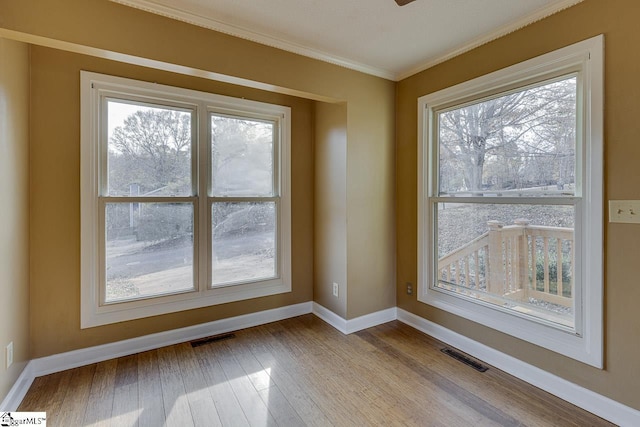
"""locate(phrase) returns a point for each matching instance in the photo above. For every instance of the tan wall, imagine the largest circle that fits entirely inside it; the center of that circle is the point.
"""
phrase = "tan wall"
(330, 219)
(106, 26)
(618, 21)
(354, 207)
(370, 207)
(14, 193)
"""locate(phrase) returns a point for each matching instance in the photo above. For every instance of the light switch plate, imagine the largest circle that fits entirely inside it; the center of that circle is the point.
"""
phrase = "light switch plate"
(624, 211)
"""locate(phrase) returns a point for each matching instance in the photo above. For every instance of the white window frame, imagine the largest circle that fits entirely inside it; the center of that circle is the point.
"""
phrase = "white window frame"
(94, 88)
(585, 342)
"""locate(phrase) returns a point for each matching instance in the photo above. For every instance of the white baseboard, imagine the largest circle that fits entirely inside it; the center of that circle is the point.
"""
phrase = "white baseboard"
(19, 390)
(330, 317)
(86, 356)
(584, 398)
(357, 324)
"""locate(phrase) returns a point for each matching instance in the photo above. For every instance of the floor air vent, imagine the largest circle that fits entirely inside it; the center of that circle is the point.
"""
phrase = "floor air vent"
(209, 340)
(464, 359)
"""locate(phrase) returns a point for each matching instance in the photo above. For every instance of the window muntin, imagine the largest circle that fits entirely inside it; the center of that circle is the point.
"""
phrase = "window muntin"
(581, 200)
(148, 241)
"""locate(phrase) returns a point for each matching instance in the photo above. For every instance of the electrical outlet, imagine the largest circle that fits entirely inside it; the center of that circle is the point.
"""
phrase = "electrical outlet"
(335, 289)
(409, 288)
(9, 354)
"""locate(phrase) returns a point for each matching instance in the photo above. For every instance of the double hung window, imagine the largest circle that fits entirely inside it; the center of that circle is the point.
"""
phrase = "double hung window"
(185, 199)
(510, 207)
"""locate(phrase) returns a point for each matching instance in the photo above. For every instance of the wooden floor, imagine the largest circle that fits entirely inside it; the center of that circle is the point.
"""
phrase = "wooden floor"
(297, 372)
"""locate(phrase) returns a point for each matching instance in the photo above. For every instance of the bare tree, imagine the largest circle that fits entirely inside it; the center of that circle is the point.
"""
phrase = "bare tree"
(534, 127)
(152, 150)
(150, 155)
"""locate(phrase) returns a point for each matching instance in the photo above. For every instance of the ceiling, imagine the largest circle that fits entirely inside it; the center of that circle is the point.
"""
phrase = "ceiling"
(377, 37)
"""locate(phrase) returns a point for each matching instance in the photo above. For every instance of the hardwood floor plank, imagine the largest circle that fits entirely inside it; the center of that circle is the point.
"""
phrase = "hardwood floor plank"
(51, 402)
(394, 392)
(72, 409)
(227, 406)
(42, 392)
(252, 405)
(257, 374)
(295, 392)
(298, 372)
(126, 406)
(150, 391)
(176, 405)
(280, 408)
(98, 412)
(333, 370)
(309, 371)
(203, 408)
(277, 404)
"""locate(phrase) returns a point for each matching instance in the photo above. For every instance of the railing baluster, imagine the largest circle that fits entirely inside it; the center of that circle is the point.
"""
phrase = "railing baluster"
(522, 262)
(467, 282)
(510, 266)
(457, 272)
(571, 272)
(476, 268)
(508, 260)
(559, 267)
(545, 245)
(485, 252)
(534, 263)
(514, 263)
(496, 259)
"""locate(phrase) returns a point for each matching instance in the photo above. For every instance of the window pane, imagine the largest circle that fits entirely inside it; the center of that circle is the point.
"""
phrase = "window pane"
(519, 257)
(242, 156)
(149, 249)
(149, 150)
(244, 241)
(521, 144)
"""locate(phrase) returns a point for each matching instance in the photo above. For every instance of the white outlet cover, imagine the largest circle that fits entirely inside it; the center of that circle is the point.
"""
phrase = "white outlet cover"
(9, 354)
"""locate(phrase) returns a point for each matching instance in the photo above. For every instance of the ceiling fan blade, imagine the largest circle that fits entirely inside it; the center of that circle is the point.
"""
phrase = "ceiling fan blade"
(403, 2)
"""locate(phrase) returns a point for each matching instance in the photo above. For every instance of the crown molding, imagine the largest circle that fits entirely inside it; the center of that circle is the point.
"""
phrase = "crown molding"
(243, 33)
(233, 30)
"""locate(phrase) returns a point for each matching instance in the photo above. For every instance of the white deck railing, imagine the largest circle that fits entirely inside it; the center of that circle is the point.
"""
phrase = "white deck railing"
(507, 261)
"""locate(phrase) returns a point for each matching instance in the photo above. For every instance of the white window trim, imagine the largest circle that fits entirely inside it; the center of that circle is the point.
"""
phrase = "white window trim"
(586, 345)
(95, 86)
